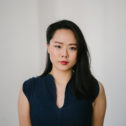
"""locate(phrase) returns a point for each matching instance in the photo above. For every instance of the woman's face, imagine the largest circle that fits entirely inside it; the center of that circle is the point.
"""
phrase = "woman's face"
(63, 47)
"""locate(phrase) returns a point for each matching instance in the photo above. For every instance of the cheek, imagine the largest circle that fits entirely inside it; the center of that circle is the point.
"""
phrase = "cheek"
(53, 55)
(74, 56)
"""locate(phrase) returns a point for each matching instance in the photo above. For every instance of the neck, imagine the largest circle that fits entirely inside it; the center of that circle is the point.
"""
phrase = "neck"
(61, 77)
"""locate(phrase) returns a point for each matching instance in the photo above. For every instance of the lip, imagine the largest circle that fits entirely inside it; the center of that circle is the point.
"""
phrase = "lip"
(63, 62)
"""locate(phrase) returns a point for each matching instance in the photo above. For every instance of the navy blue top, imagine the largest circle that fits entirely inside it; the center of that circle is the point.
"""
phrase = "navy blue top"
(41, 94)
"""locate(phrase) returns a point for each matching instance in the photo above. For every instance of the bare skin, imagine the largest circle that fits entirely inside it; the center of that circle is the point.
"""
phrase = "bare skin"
(23, 110)
(99, 106)
(60, 84)
(63, 47)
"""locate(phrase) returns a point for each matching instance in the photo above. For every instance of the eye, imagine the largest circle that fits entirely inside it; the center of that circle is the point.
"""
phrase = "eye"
(57, 46)
(73, 48)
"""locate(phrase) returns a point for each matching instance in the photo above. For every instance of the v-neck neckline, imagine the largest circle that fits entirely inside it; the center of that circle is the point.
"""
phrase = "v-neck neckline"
(65, 93)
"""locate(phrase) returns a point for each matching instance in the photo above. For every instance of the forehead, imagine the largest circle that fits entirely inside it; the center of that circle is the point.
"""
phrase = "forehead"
(64, 36)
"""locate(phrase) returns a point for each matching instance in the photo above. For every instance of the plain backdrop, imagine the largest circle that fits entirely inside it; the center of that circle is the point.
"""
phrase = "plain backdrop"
(23, 25)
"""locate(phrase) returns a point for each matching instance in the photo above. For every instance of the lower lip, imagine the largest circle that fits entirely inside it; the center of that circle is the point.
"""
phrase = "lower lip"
(64, 63)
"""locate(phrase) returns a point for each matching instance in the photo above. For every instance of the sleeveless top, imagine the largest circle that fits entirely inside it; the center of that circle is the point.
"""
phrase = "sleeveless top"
(41, 95)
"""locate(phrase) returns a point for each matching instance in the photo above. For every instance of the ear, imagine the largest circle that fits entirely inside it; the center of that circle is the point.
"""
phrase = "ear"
(47, 45)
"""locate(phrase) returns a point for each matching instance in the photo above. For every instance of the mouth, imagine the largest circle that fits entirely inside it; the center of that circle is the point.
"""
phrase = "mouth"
(64, 62)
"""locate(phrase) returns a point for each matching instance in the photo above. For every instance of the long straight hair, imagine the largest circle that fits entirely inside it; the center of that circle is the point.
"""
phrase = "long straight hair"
(84, 82)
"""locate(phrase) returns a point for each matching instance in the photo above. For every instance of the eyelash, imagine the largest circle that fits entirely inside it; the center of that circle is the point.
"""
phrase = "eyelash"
(72, 48)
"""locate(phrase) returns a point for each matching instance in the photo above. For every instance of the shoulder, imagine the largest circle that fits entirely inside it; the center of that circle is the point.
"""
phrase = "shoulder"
(101, 95)
(30, 85)
(101, 88)
(99, 106)
(32, 81)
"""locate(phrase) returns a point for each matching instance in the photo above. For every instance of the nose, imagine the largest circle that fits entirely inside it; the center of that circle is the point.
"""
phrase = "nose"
(64, 53)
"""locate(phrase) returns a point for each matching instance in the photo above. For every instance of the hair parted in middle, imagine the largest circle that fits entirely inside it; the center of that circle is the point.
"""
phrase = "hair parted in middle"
(84, 82)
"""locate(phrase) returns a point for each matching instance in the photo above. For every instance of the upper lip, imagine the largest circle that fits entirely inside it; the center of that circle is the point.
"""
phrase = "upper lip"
(64, 61)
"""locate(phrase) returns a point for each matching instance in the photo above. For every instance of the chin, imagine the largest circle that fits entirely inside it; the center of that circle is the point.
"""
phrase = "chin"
(64, 69)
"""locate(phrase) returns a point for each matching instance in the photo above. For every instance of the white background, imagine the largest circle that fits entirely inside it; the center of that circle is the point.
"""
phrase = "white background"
(23, 25)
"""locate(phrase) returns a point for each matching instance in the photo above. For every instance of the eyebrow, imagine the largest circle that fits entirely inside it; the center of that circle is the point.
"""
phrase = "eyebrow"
(62, 43)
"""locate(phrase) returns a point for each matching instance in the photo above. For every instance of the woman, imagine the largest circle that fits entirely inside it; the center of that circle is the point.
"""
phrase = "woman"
(66, 94)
